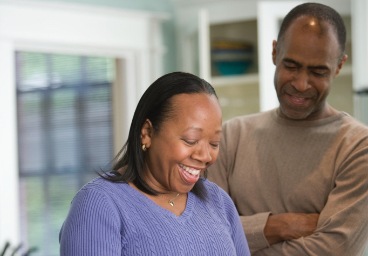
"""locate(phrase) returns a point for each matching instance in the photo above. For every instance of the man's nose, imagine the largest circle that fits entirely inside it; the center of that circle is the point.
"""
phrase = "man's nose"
(301, 81)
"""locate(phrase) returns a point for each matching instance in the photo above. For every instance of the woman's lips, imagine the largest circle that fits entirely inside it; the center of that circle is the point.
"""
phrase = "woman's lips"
(188, 174)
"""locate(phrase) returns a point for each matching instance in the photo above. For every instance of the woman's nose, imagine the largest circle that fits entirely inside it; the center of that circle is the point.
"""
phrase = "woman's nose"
(202, 153)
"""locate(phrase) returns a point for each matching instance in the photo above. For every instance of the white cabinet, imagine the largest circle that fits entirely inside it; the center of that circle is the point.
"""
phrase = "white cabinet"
(233, 66)
(224, 22)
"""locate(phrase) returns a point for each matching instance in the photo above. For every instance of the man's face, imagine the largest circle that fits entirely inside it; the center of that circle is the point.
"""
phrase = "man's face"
(307, 59)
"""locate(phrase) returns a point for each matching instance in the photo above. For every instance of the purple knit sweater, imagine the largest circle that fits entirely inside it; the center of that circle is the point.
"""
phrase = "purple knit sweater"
(111, 219)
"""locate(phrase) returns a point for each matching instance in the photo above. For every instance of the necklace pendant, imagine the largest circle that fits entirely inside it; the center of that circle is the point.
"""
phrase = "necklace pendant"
(171, 201)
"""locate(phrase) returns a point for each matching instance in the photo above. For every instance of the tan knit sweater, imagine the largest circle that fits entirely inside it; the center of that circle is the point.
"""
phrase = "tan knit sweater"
(272, 165)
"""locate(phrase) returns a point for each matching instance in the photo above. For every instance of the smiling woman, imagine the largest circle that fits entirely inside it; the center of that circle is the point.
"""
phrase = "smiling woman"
(156, 195)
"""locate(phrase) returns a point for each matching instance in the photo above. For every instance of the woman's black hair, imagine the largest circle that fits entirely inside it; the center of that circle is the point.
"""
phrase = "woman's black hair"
(156, 106)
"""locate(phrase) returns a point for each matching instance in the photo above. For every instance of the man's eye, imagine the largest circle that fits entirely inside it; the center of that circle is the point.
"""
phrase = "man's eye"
(290, 67)
(319, 73)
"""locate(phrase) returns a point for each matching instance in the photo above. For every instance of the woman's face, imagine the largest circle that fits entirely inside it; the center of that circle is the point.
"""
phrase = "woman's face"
(185, 145)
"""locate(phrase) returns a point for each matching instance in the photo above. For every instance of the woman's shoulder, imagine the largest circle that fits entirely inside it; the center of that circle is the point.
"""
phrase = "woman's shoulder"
(219, 200)
(215, 191)
(103, 195)
(102, 187)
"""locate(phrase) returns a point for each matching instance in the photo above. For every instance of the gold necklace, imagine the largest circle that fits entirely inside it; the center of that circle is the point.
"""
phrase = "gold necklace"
(171, 201)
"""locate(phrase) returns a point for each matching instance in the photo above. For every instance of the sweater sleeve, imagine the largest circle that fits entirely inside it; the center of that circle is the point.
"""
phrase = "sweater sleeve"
(254, 226)
(342, 227)
(91, 227)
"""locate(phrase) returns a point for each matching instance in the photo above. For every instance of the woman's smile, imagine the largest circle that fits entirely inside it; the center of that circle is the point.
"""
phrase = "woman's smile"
(188, 174)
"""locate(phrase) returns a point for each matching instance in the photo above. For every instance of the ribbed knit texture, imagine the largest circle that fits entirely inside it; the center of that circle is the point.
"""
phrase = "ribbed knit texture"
(270, 164)
(111, 219)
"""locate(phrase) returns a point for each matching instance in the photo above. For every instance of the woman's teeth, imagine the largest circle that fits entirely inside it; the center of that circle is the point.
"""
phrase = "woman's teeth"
(192, 171)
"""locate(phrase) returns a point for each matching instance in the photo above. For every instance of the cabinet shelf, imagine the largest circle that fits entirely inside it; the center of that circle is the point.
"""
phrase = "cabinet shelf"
(235, 79)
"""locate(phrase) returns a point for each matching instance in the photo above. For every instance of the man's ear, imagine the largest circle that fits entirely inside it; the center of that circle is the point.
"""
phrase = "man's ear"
(146, 133)
(274, 51)
(341, 63)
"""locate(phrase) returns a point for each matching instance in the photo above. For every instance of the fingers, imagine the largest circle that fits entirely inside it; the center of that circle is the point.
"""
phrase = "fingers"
(288, 226)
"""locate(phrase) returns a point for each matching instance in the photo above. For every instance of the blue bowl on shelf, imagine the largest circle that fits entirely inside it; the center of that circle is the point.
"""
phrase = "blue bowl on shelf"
(228, 68)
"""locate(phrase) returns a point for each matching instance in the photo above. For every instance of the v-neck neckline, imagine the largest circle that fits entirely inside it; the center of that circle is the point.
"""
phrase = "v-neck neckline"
(147, 202)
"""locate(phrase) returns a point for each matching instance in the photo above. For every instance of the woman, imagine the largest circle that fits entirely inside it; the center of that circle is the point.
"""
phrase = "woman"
(156, 201)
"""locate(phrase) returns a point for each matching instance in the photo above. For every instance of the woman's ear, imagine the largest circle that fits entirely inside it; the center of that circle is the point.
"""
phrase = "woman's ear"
(146, 133)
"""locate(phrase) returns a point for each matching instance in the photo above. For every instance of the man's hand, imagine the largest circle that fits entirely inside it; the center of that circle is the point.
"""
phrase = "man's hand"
(287, 226)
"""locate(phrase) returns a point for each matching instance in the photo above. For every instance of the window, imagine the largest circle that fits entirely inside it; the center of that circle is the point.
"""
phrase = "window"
(64, 136)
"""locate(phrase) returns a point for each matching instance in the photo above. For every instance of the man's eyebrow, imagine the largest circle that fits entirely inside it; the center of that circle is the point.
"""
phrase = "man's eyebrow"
(319, 67)
(291, 61)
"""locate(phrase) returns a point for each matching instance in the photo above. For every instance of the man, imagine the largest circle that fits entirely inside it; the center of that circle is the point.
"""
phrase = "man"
(298, 174)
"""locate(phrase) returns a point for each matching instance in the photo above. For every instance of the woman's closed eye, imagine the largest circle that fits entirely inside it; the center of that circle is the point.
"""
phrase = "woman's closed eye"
(215, 145)
(190, 142)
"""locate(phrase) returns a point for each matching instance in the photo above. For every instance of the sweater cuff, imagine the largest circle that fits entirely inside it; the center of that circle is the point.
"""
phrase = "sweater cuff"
(254, 229)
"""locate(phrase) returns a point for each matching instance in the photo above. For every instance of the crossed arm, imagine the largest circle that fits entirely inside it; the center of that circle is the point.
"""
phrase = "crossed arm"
(288, 226)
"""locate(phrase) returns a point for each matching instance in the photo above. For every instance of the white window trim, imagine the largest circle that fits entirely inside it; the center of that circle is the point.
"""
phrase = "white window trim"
(132, 37)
